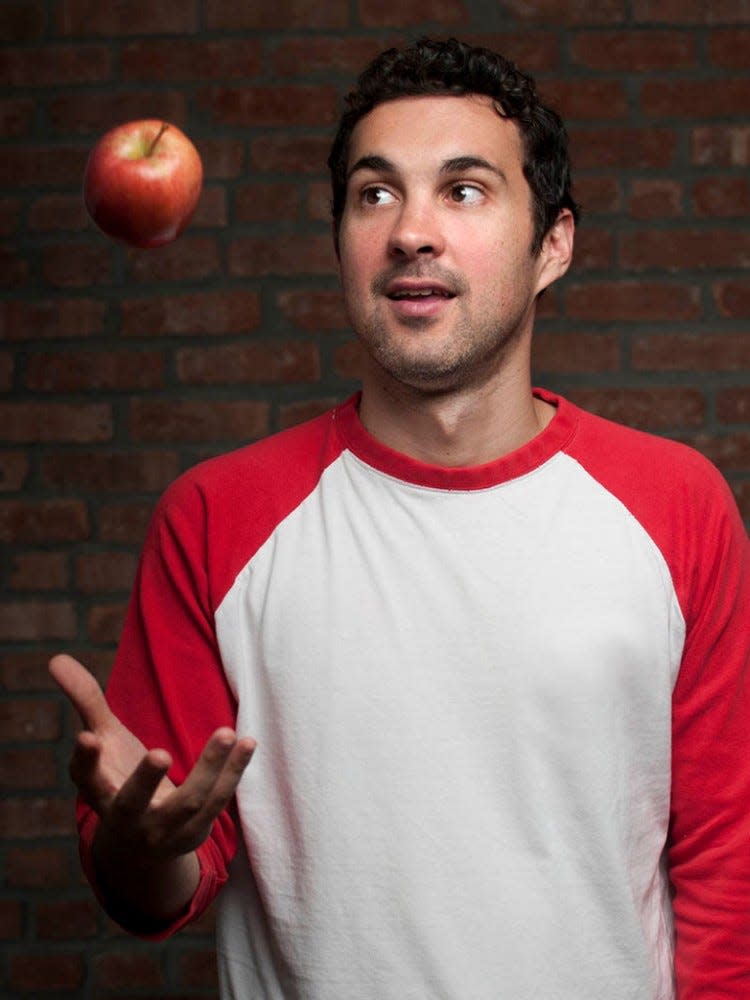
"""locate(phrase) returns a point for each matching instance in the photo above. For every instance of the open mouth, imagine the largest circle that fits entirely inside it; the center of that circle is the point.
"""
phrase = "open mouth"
(411, 294)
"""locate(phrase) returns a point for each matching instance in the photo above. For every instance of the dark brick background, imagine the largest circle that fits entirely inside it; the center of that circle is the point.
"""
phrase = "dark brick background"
(120, 368)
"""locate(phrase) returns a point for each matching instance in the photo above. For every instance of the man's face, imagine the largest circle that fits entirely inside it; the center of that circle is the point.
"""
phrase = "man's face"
(435, 241)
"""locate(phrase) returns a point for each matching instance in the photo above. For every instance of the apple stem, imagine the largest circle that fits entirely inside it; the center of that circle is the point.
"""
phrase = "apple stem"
(159, 134)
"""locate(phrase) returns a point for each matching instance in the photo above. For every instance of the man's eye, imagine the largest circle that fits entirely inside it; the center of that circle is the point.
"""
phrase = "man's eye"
(465, 194)
(376, 196)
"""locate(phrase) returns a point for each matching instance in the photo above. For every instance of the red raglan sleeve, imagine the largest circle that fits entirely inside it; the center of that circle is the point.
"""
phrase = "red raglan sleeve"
(167, 684)
(709, 851)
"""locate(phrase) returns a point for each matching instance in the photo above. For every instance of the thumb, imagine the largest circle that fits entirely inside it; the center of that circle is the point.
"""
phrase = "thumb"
(82, 690)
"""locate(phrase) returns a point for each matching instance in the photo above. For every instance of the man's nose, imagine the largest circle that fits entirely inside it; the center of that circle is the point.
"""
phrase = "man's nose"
(416, 231)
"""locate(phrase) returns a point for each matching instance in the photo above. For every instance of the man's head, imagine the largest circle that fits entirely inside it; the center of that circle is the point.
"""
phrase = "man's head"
(455, 68)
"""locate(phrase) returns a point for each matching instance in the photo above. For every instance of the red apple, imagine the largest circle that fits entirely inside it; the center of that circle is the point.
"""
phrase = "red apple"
(142, 182)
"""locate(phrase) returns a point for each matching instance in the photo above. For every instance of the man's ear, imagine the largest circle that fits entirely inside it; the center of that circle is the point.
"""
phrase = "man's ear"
(557, 250)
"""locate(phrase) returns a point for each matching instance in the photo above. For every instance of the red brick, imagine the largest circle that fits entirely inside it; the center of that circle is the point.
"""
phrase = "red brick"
(733, 298)
(10, 213)
(22, 621)
(64, 920)
(75, 371)
(197, 967)
(223, 157)
(235, 15)
(58, 213)
(724, 351)
(51, 318)
(575, 352)
(568, 12)
(74, 422)
(296, 413)
(730, 452)
(28, 769)
(313, 310)
(266, 202)
(14, 468)
(188, 259)
(702, 12)
(289, 254)
(586, 99)
(594, 249)
(95, 112)
(656, 198)
(685, 249)
(11, 919)
(105, 472)
(190, 60)
(651, 408)
(741, 490)
(55, 65)
(30, 719)
(392, 13)
(45, 521)
(99, 572)
(318, 201)
(124, 969)
(75, 265)
(174, 420)
(231, 311)
(598, 195)
(39, 571)
(16, 117)
(6, 372)
(258, 362)
(733, 405)
(25, 670)
(14, 269)
(104, 622)
(639, 148)
(348, 360)
(22, 21)
(326, 54)
(31, 818)
(722, 196)
(633, 301)
(248, 107)
(633, 51)
(721, 146)
(37, 166)
(533, 51)
(283, 154)
(44, 973)
(693, 99)
(124, 522)
(85, 18)
(37, 867)
(730, 48)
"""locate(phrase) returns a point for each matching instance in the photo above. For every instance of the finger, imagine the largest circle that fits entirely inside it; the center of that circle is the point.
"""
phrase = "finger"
(86, 773)
(215, 776)
(82, 690)
(137, 792)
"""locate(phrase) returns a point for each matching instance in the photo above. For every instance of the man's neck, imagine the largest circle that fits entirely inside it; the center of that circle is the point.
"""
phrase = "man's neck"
(460, 428)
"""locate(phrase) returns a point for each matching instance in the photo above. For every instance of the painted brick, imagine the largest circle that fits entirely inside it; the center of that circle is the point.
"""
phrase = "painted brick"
(30, 521)
(189, 59)
(108, 472)
(393, 14)
(168, 420)
(31, 621)
(235, 15)
(721, 146)
(51, 318)
(733, 405)
(224, 312)
(98, 572)
(66, 919)
(265, 106)
(623, 148)
(629, 301)
(48, 422)
(575, 352)
(313, 310)
(728, 351)
(189, 258)
(721, 196)
(733, 298)
(55, 65)
(94, 113)
(14, 469)
(633, 51)
(30, 818)
(266, 202)
(259, 362)
(74, 371)
(37, 867)
(717, 98)
(86, 18)
(656, 198)
(255, 257)
(730, 48)
(655, 409)
(26, 769)
(39, 571)
(685, 249)
(45, 973)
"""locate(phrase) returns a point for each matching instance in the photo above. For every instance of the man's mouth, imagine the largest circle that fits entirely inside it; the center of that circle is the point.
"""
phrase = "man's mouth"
(419, 293)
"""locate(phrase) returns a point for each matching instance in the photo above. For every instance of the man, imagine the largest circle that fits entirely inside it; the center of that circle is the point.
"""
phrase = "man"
(493, 650)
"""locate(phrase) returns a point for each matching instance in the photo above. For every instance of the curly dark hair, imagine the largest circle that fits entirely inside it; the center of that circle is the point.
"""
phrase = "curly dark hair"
(452, 67)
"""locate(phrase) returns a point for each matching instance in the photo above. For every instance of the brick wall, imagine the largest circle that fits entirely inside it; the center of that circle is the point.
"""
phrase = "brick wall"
(119, 368)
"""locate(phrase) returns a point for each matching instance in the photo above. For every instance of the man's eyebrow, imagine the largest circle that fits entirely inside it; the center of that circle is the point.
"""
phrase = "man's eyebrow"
(458, 164)
(374, 162)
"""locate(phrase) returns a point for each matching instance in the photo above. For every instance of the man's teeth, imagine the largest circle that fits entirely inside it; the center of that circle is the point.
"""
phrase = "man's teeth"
(420, 293)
